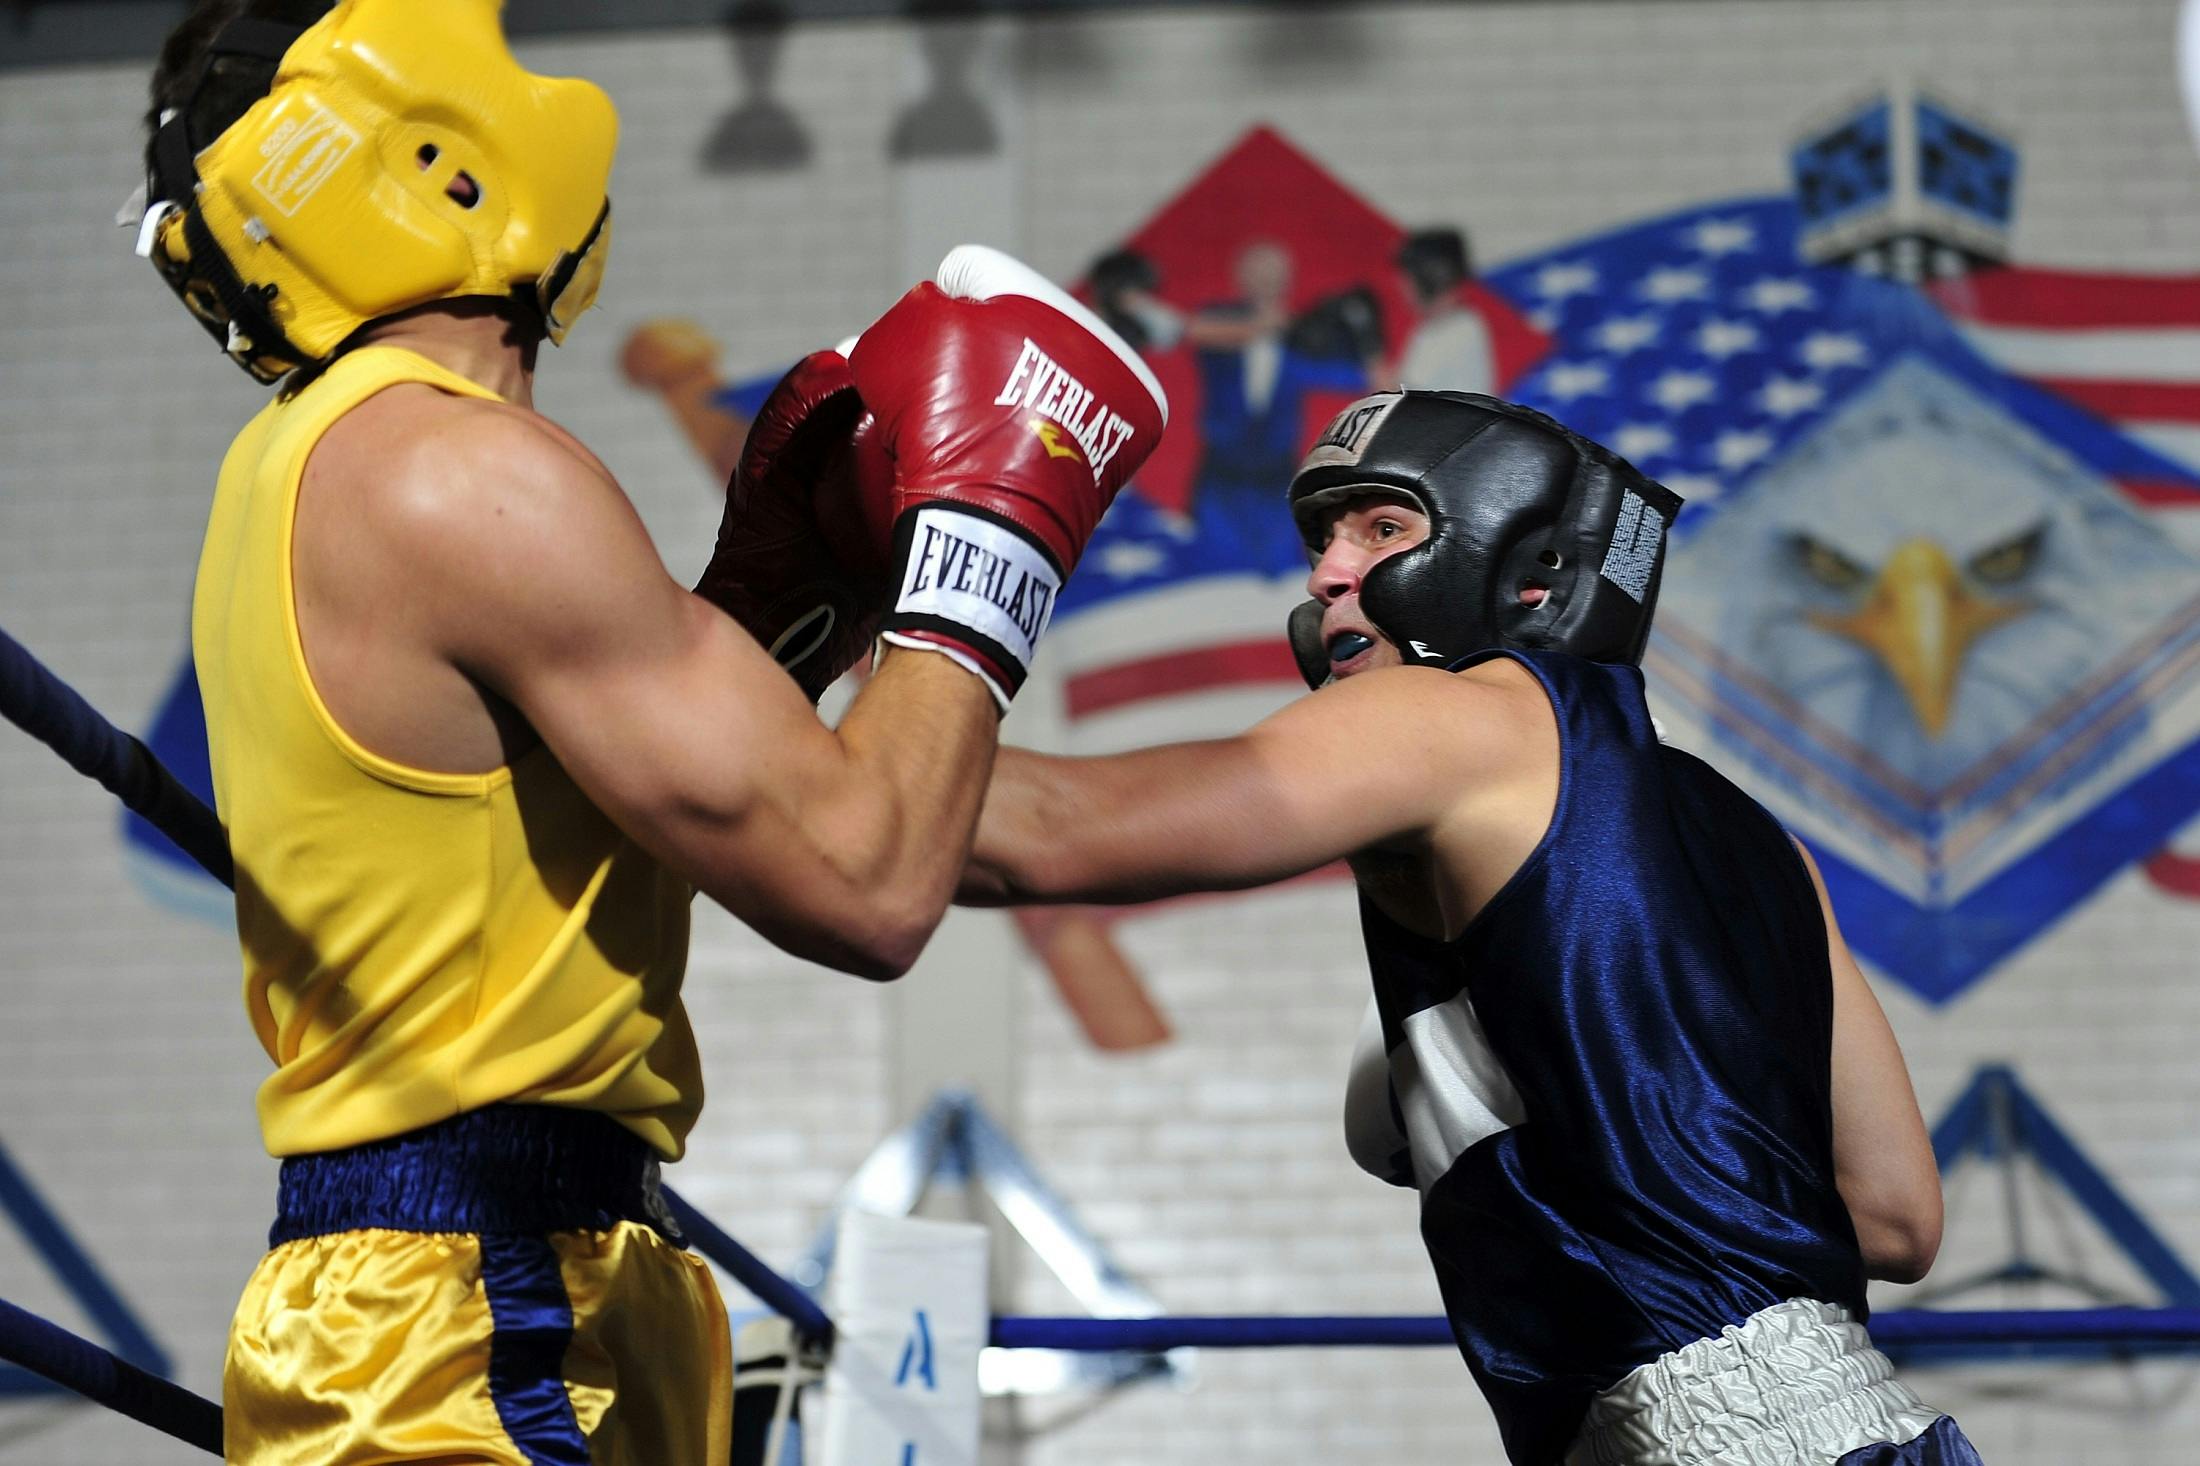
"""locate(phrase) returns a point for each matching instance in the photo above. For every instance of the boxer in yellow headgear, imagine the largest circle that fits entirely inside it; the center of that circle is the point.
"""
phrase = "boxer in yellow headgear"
(466, 975)
(475, 749)
(401, 155)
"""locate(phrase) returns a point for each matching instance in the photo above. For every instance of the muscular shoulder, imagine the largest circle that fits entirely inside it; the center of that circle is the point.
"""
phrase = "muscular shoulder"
(453, 502)
(1492, 713)
(448, 509)
(1474, 755)
(1450, 738)
(417, 465)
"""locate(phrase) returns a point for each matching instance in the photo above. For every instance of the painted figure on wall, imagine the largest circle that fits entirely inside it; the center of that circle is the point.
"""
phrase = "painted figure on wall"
(1449, 347)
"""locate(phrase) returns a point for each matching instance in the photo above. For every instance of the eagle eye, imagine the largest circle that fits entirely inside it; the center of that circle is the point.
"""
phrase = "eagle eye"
(2012, 559)
(1826, 565)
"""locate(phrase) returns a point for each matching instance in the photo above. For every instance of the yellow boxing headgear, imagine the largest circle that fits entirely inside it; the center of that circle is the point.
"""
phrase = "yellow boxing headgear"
(402, 155)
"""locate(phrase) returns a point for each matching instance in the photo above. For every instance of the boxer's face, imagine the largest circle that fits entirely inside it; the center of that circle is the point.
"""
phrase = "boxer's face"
(1361, 532)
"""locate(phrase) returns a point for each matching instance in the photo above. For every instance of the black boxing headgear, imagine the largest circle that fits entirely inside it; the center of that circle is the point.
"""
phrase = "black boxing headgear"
(1513, 500)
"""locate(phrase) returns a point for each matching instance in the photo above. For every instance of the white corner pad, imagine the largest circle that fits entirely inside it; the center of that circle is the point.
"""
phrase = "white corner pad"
(980, 272)
(902, 1385)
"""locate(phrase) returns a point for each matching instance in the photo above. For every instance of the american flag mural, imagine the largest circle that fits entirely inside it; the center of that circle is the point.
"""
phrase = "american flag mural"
(2003, 458)
(2126, 348)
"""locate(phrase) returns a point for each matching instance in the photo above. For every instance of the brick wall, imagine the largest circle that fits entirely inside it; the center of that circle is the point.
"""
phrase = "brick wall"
(1212, 1166)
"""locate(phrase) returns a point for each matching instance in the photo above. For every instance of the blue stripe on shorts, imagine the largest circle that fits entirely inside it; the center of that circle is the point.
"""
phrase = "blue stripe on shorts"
(533, 1320)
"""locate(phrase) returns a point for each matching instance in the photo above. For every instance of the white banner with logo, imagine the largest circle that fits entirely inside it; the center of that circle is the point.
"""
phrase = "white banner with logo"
(909, 1298)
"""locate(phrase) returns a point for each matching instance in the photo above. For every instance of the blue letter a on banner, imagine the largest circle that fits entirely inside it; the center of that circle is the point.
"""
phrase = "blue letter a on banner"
(917, 1354)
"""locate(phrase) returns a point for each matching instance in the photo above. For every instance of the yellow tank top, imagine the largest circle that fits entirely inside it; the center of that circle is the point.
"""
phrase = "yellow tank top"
(416, 944)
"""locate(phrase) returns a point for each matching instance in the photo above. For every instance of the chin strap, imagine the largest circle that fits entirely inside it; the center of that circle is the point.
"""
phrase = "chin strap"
(1306, 643)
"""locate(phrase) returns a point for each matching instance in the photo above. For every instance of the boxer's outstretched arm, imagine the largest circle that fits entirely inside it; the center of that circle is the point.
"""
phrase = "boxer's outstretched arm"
(1882, 1156)
(840, 846)
(1381, 759)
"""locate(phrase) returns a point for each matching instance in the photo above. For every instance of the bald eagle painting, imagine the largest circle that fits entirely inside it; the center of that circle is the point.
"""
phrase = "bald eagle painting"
(1926, 592)
(1914, 604)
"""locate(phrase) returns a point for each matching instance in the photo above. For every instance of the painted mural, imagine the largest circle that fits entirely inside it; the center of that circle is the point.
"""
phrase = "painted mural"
(1935, 598)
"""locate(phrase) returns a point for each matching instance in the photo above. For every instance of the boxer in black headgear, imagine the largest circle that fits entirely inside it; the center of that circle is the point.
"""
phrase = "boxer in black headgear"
(1660, 1126)
(1537, 538)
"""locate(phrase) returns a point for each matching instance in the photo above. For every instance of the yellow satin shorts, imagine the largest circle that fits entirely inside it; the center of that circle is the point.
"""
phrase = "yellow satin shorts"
(601, 1347)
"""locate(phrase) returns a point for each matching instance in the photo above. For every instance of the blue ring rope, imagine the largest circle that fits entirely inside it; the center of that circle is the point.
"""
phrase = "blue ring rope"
(48, 1350)
(782, 1297)
(2178, 1326)
(54, 1352)
(54, 713)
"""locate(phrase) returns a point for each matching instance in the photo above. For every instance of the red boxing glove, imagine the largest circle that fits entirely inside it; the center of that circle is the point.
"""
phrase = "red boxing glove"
(799, 581)
(1013, 415)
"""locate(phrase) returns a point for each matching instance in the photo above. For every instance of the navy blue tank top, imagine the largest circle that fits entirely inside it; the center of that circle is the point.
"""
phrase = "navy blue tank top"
(1654, 1161)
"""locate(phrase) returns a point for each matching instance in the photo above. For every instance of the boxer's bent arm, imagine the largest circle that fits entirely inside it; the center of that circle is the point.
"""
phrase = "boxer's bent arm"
(840, 847)
(1376, 760)
(1882, 1156)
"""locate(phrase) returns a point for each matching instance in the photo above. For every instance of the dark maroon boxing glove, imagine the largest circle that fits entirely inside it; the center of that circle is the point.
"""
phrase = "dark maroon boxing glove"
(809, 588)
